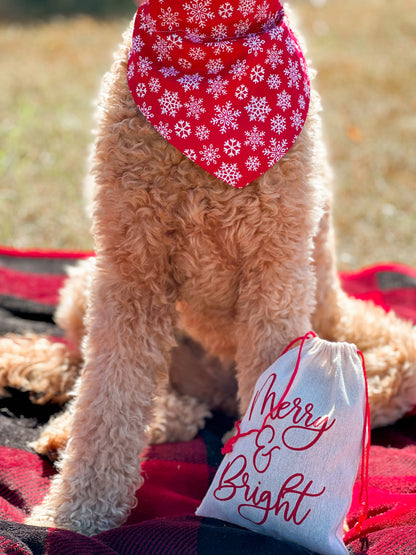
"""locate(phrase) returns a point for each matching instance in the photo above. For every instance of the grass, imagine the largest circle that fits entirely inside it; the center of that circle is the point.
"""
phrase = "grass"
(50, 78)
(365, 53)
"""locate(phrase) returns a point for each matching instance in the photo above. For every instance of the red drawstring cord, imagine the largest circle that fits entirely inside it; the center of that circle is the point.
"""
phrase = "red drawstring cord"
(365, 456)
(228, 447)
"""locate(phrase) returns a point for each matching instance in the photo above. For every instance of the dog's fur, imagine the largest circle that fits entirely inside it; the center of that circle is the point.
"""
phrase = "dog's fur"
(242, 271)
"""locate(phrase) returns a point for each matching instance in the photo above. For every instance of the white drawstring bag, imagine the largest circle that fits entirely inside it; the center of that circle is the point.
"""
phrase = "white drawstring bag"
(289, 470)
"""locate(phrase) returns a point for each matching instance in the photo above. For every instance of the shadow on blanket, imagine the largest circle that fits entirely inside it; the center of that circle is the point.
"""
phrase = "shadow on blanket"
(178, 474)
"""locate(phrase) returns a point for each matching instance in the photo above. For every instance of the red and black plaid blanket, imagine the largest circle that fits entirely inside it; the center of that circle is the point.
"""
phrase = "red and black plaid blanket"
(178, 474)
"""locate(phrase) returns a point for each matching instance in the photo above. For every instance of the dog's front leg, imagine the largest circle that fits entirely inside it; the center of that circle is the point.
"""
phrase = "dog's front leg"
(130, 335)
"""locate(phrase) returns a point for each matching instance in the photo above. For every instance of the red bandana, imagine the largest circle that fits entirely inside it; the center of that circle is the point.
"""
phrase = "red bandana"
(224, 81)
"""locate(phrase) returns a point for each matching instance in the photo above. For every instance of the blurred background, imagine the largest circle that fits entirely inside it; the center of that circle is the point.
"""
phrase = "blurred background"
(53, 54)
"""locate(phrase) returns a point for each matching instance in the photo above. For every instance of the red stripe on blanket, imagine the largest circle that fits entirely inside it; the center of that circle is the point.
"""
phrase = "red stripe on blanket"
(369, 284)
(24, 480)
(33, 287)
(366, 274)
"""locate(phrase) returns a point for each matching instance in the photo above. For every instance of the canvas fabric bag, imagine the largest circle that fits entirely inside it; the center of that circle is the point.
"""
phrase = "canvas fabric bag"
(289, 470)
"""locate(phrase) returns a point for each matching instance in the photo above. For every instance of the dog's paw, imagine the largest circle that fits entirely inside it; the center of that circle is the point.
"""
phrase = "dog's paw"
(54, 437)
(44, 521)
(45, 369)
(177, 418)
(50, 446)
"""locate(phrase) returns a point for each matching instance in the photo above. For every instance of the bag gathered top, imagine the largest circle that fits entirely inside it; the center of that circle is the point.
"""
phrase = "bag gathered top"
(224, 81)
(289, 470)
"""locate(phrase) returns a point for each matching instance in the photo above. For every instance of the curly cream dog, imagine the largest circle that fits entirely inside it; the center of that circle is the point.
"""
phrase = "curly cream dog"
(243, 271)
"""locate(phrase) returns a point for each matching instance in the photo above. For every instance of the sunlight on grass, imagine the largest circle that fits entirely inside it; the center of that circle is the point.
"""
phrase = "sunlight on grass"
(365, 53)
(366, 59)
(53, 72)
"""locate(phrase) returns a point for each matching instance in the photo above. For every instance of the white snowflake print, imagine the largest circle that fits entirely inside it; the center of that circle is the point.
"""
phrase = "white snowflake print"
(252, 163)
(306, 89)
(229, 173)
(190, 81)
(270, 23)
(176, 40)
(195, 107)
(293, 74)
(219, 32)
(146, 110)
(302, 103)
(214, 66)
(202, 132)
(258, 108)
(199, 12)
(137, 44)
(144, 65)
(246, 6)
(164, 130)
(276, 150)
(194, 35)
(163, 48)
(169, 71)
(209, 154)
(170, 103)
(169, 18)
(217, 86)
(278, 124)
(226, 117)
(141, 89)
(186, 64)
(257, 74)
(242, 27)
(254, 138)
(274, 81)
(190, 153)
(222, 46)
(225, 10)
(239, 69)
(183, 129)
(197, 53)
(290, 45)
(297, 120)
(232, 147)
(284, 100)
(274, 56)
(262, 11)
(130, 71)
(276, 32)
(154, 84)
(241, 92)
(254, 44)
(147, 23)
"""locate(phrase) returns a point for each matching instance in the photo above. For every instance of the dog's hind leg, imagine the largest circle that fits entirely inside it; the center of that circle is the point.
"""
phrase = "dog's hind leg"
(47, 370)
(388, 343)
(176, 417)
(55, 436)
